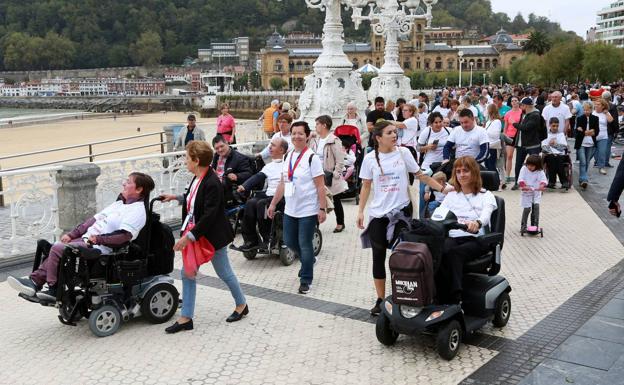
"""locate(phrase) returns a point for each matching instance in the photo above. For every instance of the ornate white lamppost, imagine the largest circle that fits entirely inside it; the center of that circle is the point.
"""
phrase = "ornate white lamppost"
(461, 62)
(471, 64)
(333, 83)
(390, 19)
(484, 79)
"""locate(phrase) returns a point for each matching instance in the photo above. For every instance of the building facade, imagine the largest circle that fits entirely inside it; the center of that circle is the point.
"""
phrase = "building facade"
(610, 24)
(422, 50)
(235, 51)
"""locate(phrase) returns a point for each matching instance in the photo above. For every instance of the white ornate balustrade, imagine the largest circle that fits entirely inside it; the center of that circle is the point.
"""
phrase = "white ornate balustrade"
(31, 196)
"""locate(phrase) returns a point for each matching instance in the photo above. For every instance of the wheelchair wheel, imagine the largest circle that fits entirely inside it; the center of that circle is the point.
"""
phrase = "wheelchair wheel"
(287, 256)
(448, 340)
(65, 312)
(502, 310)
(317, 241)
(105, 321)
(160, 303)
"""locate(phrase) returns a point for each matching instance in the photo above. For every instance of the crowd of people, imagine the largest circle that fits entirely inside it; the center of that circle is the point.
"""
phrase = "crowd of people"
(445, 143)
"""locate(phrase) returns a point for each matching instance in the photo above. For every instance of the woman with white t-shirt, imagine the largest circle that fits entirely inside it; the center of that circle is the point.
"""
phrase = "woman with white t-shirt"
(386, 169)
(408, 129)
(601, 110)
(473, 206)
(444, 107)
(303, 187)
(493, 128)
(431, 143)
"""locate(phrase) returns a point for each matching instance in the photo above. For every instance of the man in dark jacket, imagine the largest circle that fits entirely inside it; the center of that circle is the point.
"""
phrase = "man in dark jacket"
(531, 132)
(615, 191)
(232, 167)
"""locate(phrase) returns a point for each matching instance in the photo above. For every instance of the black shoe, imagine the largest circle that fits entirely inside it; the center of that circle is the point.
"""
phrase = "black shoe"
(551, 186)
(304, 288)
(584, 185)
(24, 285)
(339, 230)
(48, 295)
(376, 310)
(238, 316)
(515, 187)
(176, 327)
(249, 246)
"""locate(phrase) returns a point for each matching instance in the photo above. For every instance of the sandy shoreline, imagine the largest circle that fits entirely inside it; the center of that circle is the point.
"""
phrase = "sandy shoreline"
(36, 137)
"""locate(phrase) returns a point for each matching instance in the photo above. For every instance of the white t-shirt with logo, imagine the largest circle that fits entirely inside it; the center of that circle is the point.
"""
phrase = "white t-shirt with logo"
(273, 172)
(468, 143)
(390, 187)
(430, 136)
(304, 202)
(562, 113)
(320, 148)
(469, 208)
(118, 216)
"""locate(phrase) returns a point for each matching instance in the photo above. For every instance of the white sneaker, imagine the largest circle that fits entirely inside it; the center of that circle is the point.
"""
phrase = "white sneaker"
(24, 285)
(603, 171)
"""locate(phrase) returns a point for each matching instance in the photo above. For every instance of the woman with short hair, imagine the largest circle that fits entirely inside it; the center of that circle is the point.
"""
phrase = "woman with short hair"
(203, 215)
(226, 126)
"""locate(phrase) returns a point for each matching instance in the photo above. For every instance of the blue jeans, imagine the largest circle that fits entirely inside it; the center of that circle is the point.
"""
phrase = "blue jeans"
(584, 154)
(602, 152)
(490, 162)
(432, 206)
(421, 201)
(221, 264)
(298, 233)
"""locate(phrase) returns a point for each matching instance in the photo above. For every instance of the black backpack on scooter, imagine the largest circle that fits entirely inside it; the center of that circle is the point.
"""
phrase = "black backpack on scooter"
(412, 276)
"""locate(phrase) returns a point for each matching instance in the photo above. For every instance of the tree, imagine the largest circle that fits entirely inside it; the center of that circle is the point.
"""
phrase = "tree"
(518, 25)
(254, 80)
(148, 50)
(366, 80)
(602, 62)
(57, 51)
(14, 47)
(538, 43)
(277, 83)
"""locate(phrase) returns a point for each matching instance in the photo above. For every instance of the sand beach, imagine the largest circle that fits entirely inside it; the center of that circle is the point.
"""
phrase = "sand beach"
(56, 134)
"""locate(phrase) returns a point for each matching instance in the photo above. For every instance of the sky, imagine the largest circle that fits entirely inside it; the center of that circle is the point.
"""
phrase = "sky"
(572, 15)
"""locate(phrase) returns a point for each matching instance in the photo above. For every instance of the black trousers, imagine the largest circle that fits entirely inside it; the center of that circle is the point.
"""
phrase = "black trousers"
(555, 166)
(338, 209)
(377, 230)
(255, 209)
(457, 251)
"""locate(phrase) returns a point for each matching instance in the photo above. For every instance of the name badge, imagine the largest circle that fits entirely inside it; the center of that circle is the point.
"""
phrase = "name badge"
(289, 189)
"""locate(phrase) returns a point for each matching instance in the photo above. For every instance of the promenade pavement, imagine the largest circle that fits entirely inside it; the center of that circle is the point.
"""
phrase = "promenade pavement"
(327, 337)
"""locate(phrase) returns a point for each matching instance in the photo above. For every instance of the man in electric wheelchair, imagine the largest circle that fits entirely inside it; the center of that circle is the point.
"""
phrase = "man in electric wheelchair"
(232, 168)
(255, 207)
(116, 225)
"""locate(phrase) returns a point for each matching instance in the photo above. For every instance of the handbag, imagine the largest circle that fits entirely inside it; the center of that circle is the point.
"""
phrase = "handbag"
(508, 140)
(329, 201)
(196, 253)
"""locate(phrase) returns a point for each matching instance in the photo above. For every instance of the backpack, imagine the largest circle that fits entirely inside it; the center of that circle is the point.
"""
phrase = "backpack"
(411, 272)
(155, 242)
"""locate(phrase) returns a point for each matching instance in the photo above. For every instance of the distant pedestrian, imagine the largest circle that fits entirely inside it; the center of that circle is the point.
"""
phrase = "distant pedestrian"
(226, 126)
(189, 133)
(269, 119)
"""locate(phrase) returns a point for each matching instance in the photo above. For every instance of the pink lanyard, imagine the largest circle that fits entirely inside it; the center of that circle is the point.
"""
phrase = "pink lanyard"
(191, 196)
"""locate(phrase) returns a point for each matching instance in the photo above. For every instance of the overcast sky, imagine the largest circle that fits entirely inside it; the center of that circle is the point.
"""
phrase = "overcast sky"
(572, 15)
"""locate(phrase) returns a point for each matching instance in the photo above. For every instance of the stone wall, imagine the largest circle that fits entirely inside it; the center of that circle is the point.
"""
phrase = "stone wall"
(249, 106)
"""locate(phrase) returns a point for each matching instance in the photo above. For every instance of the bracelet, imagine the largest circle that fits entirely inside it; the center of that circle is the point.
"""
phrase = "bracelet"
(322, 209)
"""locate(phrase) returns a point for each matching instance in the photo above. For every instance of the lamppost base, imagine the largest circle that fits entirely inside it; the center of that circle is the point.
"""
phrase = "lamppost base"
(390, 87)
(327, 92)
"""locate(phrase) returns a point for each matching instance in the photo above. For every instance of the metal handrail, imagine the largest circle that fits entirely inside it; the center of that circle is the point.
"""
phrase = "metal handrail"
(78, 145)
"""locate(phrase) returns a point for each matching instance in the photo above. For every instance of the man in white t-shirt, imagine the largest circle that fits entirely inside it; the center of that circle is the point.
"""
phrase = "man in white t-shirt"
(470, 140)
(116, 225)
(255, 207)
(558, 110)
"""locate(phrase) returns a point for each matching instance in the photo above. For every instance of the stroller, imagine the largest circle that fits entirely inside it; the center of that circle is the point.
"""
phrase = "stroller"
(130, 282)
(351, 141)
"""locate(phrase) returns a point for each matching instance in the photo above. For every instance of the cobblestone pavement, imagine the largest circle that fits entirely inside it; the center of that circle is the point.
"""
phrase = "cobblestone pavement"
(325, 337)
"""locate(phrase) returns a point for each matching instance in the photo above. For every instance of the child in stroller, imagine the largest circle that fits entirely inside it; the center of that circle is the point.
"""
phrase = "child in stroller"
(350, 138)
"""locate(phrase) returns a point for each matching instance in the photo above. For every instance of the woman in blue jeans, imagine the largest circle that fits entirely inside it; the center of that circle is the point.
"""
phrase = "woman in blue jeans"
(587, 129)
(203, 213)
(303, 187)
(603, 151)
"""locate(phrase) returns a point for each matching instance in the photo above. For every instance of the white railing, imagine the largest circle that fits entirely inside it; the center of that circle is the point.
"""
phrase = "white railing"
(32, 200)
(32, 212)
(261, 93)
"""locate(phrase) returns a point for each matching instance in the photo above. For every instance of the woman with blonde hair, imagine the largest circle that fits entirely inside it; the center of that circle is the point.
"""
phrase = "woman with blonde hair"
(226, 126)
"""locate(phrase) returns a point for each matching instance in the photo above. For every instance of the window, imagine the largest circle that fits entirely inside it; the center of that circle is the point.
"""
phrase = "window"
(299, 66)
(487, 64)
(427, 64)
(407, 65)
(306, 65)
(479, 64)
(449, 64)
(278, 67)
(438, 63)
(494, 63)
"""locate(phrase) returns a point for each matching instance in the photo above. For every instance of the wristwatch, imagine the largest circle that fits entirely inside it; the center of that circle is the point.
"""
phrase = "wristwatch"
(322, 209)
(479, 222)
